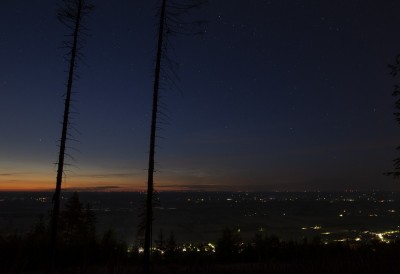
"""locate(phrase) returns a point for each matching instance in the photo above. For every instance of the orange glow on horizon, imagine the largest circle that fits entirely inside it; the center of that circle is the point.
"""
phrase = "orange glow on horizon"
(41, 185)
(101, 182)
(95, 186)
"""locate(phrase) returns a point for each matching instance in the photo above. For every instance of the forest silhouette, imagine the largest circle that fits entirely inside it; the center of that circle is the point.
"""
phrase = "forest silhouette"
(82, 250)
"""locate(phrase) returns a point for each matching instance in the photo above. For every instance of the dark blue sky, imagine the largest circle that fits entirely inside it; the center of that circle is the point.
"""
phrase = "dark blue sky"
(288, 95)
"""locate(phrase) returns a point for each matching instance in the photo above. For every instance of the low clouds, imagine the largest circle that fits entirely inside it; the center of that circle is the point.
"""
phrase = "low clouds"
(192, 187)
(94, 188)
(108, 175)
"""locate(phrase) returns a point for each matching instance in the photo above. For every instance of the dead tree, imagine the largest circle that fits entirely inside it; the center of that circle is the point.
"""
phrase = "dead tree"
(72, 15)
(150, 174)
(170, 23)
(394, 71)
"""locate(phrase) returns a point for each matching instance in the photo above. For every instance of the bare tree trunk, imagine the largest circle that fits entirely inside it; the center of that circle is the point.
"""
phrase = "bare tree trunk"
(60, 169)
(394, 71)
(150, 184)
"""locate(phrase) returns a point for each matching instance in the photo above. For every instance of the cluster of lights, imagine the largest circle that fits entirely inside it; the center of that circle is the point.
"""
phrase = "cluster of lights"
(208, 248)
(316, 227)
(383, 236)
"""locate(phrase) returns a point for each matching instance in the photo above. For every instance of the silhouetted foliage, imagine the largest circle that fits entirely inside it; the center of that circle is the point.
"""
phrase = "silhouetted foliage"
(77, 237)
(160, 241)
(112, 251)
(77, 241)
(171, 243)
(228, 246)
(78, 223)
(263, 254)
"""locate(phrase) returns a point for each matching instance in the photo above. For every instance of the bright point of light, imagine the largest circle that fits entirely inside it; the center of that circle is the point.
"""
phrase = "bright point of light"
(380, 236)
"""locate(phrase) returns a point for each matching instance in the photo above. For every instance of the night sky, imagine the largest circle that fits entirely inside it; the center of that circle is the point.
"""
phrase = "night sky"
(275, 95)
